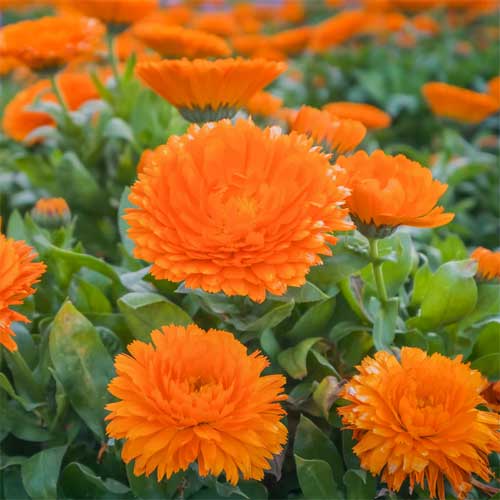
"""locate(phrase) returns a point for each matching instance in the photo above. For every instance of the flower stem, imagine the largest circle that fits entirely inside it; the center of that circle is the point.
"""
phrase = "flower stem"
(112, 58)
(58, 94)
(377, 271)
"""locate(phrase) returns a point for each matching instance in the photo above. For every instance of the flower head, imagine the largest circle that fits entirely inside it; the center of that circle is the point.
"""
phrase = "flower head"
(196, 395)
(290, 41)
(370, 116)
(389, 191)
(237, 209)
(209, 90)
(488, 263)
(218, 23)
(51, 213)
(18, 274)
(494, 88)
(463, 105)
(334, 134)
(264, 104)
(50, 42)
(417, 419)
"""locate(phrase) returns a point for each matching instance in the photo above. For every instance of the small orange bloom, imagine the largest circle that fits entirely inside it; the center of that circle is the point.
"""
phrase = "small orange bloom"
(218, 23)
(494, 88)
(264, 104)
(50, 41)
(370, 116)
(463, 105)
(488, 267)
(391, 191)
(425, 24)
(292, 11)
(174, 41)
(417, 419)
(383, 23)
(235, 208)
(208, 90)
(290, 41)
(51, 213)
(18, 274)
(196, 396)
(334, 134)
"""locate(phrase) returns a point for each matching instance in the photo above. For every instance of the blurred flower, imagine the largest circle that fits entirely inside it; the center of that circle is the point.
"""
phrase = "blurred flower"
(180, 42)
(196, 396)
(494, 88)
(463, 105)
(488, 263)
(492, 395)
(234, 208)
(289, 41)
(384, 23)
(333, 134)
(175, 15)
(417, 419)
(218, 23)
(263, 104)
(18, 274)
(292, 11)
(425, 24)
(51, 213)
(247, 45)
(126, 45)
(18, 121)
(391, 191)
(463, 48)
(50, 42)
(245, 15)
(269, 54)
(208, 90)
(370, 116)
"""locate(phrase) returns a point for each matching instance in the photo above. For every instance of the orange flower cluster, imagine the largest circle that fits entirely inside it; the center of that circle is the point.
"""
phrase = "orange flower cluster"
(196, 396)
(334, 134)
(463, 105)
(18, 274)
(390, 191)
(370, 116)
(235, 208)
(58, 41)
(488, 263)
(417, 419)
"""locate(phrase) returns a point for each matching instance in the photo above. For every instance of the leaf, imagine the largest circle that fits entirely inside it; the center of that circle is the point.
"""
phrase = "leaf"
(7, 387)
(122, 223)
(306, 293)
(16, 228)
(294, 359)
(316, 479)
(270, 319)
(40, 473)
(488, 305)
(326, 394)
(488, 340)
(148, 488)
(313, 323)
(88, 297)
(145, 312)
(488, 365)
(451, 248)
(22, 424)
(396, 273)
(119, 129)
(384, 327)
(421, 284)
(82, 365)
(359, 484)
(312, 443)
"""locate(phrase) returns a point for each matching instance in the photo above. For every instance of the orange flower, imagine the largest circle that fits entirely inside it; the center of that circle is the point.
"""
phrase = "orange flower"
(488, 263)
(370, 116)
(334, 134)
(51, 213)
(463, 105)
(264, 104)
(218, 23)
(247, 45)
(292, 11)
(494, 88)
(50, 41)
(18, 274)
(208, 90)
(426, 24)
(269, 54)
(196, 396)
(492, 396)
(237, 209)
(384, 23)
(126, 45)
(290, 41)
(18, 121)
(114, 11)
(174, 41)
(417, 419)
(391, 191)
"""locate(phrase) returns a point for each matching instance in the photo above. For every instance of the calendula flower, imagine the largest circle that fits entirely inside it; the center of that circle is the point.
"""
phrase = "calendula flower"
(218, 23)
(463, 105)
(126, 45)
(50, 42)
(263, 104)
(247, 45)
(19, 121)
(417, 419)
(290, 41)
(494, 88)
(491, 395)
(18, 274)
(370, 116)
(175, 41)
(269, 54)
(333, 134)
(425, 24)
(488, 263)
(51, 213)
(391, 191)
(196, 396)
(208, 90)
(235, 208)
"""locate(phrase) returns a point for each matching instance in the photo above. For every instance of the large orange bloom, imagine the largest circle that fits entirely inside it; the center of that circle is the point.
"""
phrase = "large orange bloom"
(392, 191)
(114, 11)
(18, 121)
(463, 105)
(370, 116)
(175, 41)
(488, 263)
(196, 395)
(209, 90)
(50, 41)
(18, 274)
(235, 208)
(334, 134)
(418, 419)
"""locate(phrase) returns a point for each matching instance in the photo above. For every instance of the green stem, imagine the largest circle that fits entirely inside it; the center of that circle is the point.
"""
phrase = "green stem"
(377, 271)
(58, 94)
(112, 58)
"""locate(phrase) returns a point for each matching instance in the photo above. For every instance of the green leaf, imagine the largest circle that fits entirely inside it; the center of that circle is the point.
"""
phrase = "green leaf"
(22, 424)
(451, 248)
(488, 365)
(271, 318)
(119, 129)
(326, 394)
(145, 312)
(10, 461)
(316, 479)
(82, 365)
(421, 284)
(294, 359)
(488, 340)
(16, 228)
(12, 484)
(7, 387)
(122, 223)
(148, 488)
(40, 473)
(487, 306)
(313, 323)
(305, 293)
(384, 327)
(88, 297)
(359, 484)
(396, 273)
(253, 490)
(312, 443)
